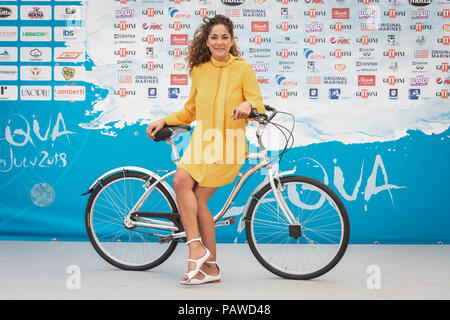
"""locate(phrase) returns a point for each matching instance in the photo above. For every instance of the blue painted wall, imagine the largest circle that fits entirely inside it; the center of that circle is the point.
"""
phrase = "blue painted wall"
(403, 183)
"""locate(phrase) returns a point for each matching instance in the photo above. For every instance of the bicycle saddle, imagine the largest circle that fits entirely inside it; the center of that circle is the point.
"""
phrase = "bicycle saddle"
(167, 131)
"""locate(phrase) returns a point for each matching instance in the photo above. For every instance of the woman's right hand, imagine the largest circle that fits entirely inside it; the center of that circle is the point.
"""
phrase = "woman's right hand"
(154, 127)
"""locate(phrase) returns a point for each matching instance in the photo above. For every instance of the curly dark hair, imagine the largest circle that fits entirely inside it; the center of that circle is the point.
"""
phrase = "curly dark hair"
(197, 51)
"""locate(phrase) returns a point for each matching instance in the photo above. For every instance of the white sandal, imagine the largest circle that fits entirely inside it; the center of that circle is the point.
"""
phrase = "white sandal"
(207, 278)
(198, 262)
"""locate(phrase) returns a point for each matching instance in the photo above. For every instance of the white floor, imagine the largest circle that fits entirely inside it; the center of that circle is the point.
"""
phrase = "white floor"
(45, 270)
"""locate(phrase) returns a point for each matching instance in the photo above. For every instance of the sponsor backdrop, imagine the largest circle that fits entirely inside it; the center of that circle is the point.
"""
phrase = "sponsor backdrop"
(366, 80)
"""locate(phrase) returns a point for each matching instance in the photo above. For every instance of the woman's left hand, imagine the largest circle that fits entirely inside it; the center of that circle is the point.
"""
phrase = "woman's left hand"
(242, 111)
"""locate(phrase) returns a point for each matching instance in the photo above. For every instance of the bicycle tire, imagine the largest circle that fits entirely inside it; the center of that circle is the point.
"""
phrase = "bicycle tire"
(256, 249)
(91, 233)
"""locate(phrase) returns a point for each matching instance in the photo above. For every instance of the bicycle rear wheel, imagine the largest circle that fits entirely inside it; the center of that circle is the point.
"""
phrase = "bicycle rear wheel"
(109, 203)
(310, 247)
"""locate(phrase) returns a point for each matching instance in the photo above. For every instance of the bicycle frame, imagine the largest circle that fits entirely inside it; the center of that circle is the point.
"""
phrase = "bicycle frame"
(264, 163)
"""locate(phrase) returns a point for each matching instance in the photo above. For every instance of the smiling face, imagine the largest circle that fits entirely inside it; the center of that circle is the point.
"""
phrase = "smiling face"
(219, 42)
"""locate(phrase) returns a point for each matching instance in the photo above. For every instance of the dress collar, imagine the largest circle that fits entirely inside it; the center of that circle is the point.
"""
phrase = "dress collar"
(218, 63)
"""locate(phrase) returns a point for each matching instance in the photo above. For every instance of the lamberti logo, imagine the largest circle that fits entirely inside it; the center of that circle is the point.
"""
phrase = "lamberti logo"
(232, 2)
(69, 93)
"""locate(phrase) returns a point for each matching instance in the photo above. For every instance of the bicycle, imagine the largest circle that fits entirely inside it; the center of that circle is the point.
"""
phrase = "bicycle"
(296, 226)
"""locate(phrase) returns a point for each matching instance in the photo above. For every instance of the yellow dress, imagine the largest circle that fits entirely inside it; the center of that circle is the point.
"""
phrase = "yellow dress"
(218, 146)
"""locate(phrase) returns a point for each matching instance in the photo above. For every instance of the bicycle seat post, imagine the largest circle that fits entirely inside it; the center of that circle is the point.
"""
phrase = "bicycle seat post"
(176, 156)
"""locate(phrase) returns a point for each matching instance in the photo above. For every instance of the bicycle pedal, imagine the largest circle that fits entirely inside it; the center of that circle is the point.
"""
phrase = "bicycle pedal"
(232, 220)
(226, 222)
(165, 239)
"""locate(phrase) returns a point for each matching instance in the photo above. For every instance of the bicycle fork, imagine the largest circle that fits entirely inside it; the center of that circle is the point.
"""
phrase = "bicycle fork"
(277, 189)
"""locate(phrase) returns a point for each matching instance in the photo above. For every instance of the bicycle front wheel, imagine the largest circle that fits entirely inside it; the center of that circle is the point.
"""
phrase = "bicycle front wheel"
(109, 203)
(307, 248)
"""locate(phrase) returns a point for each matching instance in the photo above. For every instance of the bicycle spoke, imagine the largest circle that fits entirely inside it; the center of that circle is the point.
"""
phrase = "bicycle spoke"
(128, 247)
(319, 233)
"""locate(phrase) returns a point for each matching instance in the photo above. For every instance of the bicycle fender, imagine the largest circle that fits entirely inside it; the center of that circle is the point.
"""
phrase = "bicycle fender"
(260, 186)
(130, 168)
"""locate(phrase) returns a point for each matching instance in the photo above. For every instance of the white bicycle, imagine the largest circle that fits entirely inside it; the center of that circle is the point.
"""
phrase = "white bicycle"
(296, 226)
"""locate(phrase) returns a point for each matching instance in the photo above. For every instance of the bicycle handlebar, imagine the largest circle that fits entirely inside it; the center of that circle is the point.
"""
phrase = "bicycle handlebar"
(167, 131)
(262, 117)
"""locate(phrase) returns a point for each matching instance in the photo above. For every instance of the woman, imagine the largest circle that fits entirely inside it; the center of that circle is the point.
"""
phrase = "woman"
(223, 91)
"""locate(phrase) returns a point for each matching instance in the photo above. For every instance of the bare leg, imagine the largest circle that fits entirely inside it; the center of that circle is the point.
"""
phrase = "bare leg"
(183, 185)
(207, 228)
